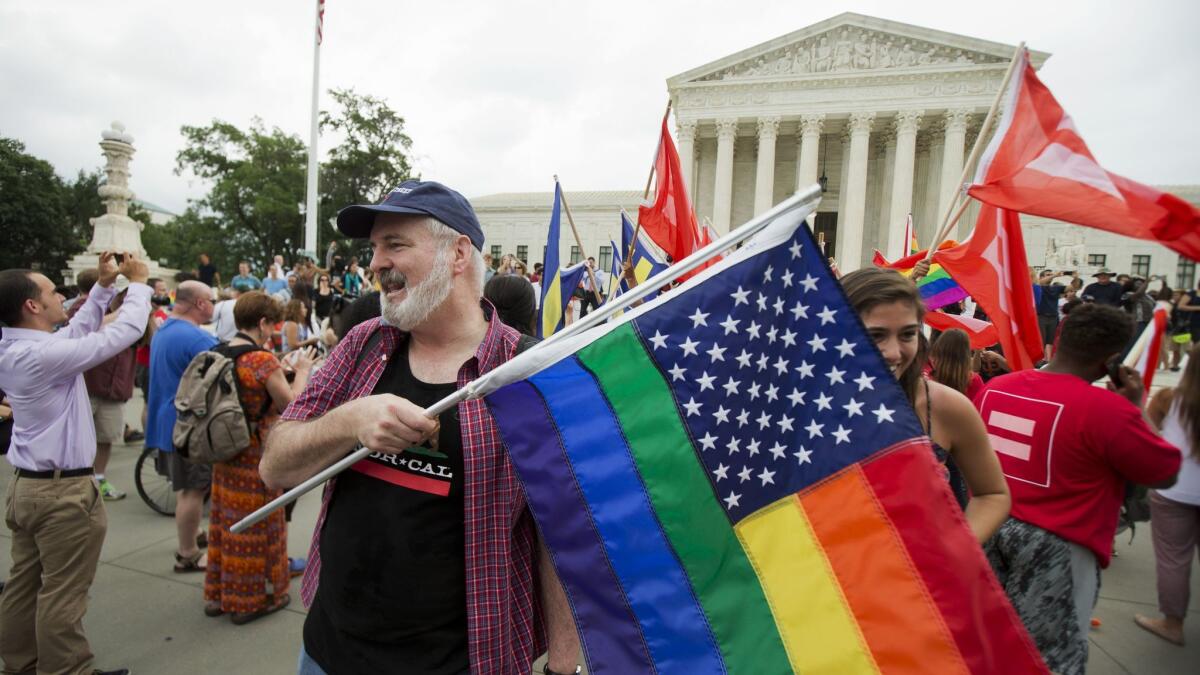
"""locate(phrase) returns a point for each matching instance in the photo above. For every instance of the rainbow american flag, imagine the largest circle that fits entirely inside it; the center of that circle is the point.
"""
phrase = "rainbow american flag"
(729, 480)
(937, 288)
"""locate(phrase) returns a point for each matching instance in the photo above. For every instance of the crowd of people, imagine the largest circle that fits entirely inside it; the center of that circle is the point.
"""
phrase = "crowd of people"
(424, 553)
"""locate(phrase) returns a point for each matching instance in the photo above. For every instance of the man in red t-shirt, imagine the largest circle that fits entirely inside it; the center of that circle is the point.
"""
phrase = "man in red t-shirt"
(1067, 449)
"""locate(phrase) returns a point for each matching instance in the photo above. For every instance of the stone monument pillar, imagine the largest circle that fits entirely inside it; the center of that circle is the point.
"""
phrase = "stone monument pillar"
(115, 230)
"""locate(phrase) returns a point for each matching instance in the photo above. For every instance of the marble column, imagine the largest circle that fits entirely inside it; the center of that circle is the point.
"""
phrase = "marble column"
(685, 131)
(723, 182)
(886, 171)
(809, 140)
(907, 123)
(850, 238)
(952, 161)
(936, 139)
(764, 175)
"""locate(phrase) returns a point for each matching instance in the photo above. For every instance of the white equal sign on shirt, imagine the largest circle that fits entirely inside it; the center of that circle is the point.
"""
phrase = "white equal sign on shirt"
(1021, 430)
(1020, 426)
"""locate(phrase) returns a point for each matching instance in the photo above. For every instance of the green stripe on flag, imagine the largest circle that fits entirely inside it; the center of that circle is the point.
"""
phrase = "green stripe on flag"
(696, 525)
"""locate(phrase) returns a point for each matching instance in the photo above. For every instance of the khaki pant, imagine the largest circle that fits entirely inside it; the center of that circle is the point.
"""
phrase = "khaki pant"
(57, 528)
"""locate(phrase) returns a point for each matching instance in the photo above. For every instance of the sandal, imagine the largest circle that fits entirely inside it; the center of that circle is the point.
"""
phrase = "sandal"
(189, 564)
(213, 609)
(242, 618)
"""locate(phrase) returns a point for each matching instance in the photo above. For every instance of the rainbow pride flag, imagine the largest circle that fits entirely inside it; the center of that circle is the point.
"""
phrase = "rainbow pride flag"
(729, 480)
(937, 288)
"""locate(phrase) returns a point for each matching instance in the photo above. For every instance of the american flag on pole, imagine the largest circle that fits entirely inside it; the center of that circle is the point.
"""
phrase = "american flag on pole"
(320, 20)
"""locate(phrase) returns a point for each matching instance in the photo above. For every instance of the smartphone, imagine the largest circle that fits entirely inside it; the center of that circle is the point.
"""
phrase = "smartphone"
(1114, 372)
(119, 258)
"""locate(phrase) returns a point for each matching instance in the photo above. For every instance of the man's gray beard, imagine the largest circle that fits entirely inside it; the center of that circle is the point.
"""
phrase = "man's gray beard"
(422, 299)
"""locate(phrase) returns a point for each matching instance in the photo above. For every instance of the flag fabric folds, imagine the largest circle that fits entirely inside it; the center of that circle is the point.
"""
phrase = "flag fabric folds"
(937, 288)
(647, 259)
(991, 266)
(982, 334)
(1037, 163)
(729, 480)
(1150, 344)
(554, 296)
(669, 219)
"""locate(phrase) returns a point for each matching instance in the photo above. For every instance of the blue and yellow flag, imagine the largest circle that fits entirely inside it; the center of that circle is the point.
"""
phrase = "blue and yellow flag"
(614, 275)
(647, 258)
(554, 295)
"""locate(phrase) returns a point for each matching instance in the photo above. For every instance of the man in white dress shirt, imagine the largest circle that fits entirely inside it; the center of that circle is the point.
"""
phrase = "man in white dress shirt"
(54, 508)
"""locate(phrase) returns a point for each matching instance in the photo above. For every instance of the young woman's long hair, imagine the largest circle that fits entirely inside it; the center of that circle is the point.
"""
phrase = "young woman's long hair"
(951, 359)
(1187, 397)
(871, 287)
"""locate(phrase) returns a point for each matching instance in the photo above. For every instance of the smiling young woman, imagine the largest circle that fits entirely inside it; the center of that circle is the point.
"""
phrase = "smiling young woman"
(890, 307)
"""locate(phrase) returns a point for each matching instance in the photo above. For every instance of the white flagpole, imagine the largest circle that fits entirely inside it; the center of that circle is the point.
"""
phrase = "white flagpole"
(310, 201)
(484, 384)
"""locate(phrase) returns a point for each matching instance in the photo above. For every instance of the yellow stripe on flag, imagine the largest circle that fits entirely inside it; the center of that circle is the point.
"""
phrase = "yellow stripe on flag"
(818, 630)
(552, 308)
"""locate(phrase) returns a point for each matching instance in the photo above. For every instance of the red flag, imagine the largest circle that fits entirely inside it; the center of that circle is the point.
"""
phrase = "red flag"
(1037, 163)
(981, 333)
(669, 219)
(991, 266)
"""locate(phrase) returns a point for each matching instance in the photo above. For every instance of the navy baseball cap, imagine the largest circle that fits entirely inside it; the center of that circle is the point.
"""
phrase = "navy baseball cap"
(419, 198)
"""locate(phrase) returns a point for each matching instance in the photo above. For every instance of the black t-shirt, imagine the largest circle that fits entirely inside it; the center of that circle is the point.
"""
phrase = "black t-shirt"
(1103, 294)
(206, 273)
(392, 592)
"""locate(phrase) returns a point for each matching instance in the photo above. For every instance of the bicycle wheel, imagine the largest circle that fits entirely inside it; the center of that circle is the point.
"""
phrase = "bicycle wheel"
(153, 487)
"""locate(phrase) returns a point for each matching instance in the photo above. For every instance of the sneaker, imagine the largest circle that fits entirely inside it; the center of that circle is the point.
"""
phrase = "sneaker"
(110, 493)
(134, 436)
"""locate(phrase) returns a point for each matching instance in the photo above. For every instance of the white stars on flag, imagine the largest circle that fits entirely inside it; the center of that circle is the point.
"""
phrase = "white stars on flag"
(708, 441)
(882, 413)
(730, 325)
(845, 348)
(689, 347)
(817, 343)
(864, 381)
(699, 318)
(826, 315)
(842, 435)
(809, 282)
(692, 407)
(659, 340)
(705, 381)
(835, 376)
(739, 296)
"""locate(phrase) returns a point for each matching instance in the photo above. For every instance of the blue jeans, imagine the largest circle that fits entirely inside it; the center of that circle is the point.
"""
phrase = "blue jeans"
(307, 666)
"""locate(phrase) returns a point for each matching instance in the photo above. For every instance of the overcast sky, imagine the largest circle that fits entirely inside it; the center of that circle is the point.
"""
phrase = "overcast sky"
(499, 96)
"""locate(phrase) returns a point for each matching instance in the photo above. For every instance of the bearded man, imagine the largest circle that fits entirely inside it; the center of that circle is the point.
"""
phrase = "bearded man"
(425, 557)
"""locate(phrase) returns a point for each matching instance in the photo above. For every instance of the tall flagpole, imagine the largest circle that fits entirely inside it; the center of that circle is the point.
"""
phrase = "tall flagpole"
(310, 201)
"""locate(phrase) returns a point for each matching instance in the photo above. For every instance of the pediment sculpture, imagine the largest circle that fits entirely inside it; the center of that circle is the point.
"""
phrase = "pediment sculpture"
(850, 49)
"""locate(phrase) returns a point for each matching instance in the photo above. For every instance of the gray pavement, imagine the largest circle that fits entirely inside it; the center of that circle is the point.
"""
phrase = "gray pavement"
(144, 616)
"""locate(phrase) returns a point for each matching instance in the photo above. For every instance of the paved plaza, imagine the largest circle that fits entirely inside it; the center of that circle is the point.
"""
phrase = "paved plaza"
(146, 617)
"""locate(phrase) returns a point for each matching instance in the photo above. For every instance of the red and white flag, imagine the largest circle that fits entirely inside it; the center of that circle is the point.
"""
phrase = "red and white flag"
(1149, 344)
(1037, 163)
(669, 219)
(982, 334)
(991, 267)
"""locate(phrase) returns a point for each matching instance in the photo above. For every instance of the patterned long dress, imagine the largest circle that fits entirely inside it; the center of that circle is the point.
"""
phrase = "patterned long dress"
(247, 572)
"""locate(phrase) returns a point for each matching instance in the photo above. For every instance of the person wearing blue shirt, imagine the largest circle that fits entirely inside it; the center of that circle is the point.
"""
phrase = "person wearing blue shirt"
(174, 345)
(275, 282)
(243, 280)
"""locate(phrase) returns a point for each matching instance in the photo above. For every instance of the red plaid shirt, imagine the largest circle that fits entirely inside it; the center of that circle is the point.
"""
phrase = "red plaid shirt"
(504, 619)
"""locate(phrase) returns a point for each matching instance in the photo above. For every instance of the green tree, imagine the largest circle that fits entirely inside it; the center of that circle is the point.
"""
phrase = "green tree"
(257, 180)
(370, 158)
(33, 218)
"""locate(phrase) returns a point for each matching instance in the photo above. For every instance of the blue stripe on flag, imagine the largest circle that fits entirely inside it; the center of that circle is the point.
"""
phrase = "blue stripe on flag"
(673, 622)
(613, 641)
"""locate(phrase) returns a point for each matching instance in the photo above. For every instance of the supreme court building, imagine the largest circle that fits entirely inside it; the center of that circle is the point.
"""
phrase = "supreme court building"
(881, 113)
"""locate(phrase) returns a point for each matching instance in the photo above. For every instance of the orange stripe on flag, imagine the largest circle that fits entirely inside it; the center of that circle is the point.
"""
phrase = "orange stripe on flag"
(902, 626)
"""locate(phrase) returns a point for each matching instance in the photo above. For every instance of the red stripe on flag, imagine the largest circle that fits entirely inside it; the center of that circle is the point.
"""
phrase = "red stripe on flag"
(988, 631)
(403, 479)
(902, 626)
